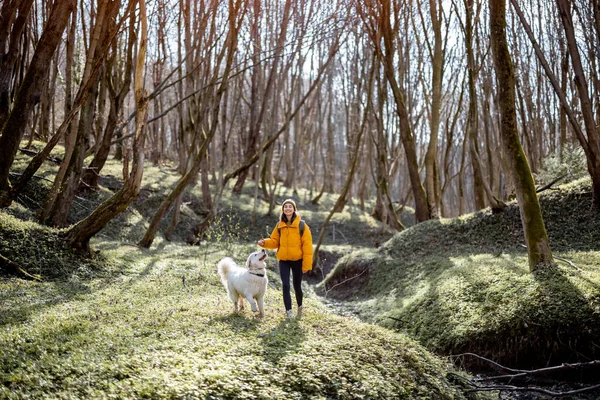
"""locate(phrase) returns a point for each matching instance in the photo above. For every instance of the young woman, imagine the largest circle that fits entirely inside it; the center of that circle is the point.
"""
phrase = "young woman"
(293, 241)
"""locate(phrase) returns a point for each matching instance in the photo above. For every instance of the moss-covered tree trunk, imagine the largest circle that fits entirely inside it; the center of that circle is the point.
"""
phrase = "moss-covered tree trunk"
(536, 237)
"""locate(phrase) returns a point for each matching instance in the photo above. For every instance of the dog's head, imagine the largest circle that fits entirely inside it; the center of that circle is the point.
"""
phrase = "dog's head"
(256, 260)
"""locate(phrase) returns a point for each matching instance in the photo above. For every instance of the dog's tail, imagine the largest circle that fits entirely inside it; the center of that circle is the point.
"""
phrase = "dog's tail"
(223, 268)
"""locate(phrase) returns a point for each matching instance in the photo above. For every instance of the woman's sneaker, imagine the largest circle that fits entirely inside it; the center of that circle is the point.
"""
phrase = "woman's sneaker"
(299, 314)
(289, 314)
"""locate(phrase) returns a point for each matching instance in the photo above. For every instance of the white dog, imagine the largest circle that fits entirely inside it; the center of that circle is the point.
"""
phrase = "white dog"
(249, 283)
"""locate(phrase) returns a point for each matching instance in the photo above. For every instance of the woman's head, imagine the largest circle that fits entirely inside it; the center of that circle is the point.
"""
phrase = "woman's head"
(288, 208)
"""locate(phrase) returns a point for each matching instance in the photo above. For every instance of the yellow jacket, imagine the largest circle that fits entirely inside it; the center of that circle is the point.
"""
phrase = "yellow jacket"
(290, 245)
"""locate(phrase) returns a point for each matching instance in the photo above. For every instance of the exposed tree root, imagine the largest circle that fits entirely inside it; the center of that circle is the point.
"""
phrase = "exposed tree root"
(513, 374)
(17, 268)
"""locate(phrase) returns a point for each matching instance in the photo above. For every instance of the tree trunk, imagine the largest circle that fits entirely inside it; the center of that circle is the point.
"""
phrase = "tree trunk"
(353, 166)
(90, 177)
(228, 51)
(80, 234)
(536, 237)
(473, 119)
(587, 111)
(28, 95)
(56, 210)
(11, 31)
(432, 177)
(408, 141)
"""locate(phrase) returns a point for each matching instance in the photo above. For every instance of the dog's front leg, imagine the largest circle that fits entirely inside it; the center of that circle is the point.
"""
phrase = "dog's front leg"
(261, 306)
(252, 303)
(241, 302)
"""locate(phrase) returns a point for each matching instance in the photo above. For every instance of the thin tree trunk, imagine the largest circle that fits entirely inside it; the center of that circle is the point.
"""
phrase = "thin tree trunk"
(386, 55)
(591, 145)
(432, 177)
(351, 173)
(117, 96)
(80, 234)
(536, 237)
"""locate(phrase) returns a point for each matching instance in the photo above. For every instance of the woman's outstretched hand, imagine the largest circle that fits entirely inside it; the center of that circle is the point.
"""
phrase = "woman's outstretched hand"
(261, 242)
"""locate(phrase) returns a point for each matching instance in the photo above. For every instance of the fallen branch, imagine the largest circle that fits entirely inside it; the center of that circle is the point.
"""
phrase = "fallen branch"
(16, 267)
(34, 153)
(43, 178)
(549, 185)
(344, 281)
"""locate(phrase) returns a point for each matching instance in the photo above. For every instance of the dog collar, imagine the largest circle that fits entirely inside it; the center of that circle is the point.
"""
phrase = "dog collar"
(261, 275)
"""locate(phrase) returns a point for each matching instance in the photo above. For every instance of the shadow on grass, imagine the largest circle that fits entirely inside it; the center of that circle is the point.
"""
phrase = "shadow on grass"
(238, 322)
(35, 302)
(548, 322)
(286, 338)
(574, 338)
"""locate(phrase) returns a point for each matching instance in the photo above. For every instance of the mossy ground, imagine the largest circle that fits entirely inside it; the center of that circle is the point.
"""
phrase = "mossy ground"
(163, 328)
(463, 285)
(134, 323)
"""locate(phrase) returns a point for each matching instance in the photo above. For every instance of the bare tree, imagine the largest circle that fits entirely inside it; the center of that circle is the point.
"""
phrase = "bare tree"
(353, 164)
(113, 76)
(237, 10)
(13, 21)
(57, 205)
(377, 17)
(591, 146)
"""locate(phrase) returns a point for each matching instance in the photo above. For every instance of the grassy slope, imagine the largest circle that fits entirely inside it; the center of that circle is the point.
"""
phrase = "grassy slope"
(463, 284)
(156, 323)
(142, 332)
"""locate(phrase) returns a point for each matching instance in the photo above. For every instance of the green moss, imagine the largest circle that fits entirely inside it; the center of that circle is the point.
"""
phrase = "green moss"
(145, 333)
(463, 284)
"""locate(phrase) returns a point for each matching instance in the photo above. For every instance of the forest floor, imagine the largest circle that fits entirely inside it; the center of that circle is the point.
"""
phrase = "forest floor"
(134, 323)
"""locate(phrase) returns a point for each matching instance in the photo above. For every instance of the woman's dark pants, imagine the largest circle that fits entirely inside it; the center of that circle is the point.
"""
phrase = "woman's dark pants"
(284, 271)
